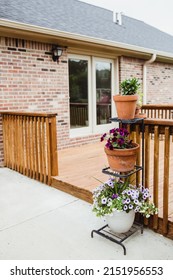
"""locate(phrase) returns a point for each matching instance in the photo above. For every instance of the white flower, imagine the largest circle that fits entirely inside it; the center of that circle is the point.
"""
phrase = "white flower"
(125, 207)
(137, 209)
(104, 200)
(128, 200)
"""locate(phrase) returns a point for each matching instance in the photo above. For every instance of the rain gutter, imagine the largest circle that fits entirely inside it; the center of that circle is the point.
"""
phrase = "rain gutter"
(151, 60)
(23, 27)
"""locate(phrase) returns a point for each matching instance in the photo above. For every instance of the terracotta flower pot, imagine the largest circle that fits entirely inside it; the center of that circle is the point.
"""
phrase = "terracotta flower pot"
(125, 106)
(122, 160)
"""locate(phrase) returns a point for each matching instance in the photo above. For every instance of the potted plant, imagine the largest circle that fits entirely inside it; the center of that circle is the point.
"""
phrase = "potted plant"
(118, 202)
(121, 152)
(126, 102)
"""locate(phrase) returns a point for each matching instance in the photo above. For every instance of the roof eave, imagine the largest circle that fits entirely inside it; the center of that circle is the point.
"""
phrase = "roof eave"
(13, 25)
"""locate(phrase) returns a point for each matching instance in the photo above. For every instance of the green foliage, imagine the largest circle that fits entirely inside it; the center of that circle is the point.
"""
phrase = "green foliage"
(122, 196)
(130, 86)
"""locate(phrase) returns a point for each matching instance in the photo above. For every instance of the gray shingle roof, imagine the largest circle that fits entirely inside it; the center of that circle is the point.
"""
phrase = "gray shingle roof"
(81, 18)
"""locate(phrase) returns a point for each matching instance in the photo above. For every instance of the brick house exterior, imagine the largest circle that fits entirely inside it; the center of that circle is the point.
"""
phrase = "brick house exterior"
(159, 78)
(31, 81)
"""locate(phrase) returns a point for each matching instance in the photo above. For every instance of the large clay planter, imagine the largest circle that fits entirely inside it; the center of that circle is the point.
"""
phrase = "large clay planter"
(122, 160)
(125, 106)
(120, 221)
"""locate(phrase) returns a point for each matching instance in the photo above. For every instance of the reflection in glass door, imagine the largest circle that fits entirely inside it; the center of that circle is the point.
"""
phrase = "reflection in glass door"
(103, 91)
(78, 87)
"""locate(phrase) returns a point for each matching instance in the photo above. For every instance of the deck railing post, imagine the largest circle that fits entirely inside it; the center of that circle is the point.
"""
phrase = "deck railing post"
(166, 180)
(53, 147)
(156, 174)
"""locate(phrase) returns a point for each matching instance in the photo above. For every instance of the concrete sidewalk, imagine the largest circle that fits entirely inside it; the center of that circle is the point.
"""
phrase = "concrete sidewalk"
(40, 222)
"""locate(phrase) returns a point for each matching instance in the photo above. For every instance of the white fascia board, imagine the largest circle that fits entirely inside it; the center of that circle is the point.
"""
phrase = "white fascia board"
(79, 37)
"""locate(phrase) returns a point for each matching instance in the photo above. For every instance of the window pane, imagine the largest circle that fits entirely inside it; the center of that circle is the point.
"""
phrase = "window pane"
(103, 91)
(78, 86)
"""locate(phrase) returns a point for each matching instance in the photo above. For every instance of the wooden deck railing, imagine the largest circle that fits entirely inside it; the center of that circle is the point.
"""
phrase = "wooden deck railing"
(78, 114)
(30, 144)
(158, 176)
(158, 111)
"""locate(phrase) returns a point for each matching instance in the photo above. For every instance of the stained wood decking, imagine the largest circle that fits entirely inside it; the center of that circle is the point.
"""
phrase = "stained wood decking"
(80, 167)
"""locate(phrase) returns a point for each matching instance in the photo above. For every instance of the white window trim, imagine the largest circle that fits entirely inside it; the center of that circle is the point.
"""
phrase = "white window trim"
(102, 127)
(93, 128)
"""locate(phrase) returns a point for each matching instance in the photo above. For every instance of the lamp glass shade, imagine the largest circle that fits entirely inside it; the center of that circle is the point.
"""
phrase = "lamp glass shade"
(56, 53)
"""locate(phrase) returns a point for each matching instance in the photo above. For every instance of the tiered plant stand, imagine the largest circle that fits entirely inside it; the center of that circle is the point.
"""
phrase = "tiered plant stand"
(104, 231)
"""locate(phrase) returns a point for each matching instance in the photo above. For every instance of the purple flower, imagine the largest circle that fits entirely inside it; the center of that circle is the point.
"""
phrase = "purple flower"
(126, 133)
(111, 147)
(112, 130)
(120, 141)
(117, 138)
(114, 195)
(121, 132)
(103, 137)
(114, 139)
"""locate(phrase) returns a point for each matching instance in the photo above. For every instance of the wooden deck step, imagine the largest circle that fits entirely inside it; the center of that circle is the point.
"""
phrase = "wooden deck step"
(72, 189)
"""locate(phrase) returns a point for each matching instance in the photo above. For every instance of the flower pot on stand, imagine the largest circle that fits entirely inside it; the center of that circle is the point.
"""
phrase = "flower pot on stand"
(125, 106)
(122, 160)
(120, 221)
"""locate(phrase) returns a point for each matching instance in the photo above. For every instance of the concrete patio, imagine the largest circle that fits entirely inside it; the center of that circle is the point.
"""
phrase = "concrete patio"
(40, 222)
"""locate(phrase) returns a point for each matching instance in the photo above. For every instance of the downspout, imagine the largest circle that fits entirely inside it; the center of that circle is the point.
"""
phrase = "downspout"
(151, 60)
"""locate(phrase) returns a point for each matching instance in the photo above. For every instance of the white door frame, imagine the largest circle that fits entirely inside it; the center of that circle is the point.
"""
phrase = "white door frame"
(93, 128)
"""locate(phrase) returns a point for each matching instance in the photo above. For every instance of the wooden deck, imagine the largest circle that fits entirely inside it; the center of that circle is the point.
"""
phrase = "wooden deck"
(80, 167)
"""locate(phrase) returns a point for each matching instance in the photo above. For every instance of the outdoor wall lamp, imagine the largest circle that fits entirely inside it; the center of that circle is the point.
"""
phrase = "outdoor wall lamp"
(56, 53)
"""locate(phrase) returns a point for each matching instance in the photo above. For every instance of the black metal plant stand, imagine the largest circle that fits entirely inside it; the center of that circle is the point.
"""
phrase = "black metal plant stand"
(118, 237)
(105, 231)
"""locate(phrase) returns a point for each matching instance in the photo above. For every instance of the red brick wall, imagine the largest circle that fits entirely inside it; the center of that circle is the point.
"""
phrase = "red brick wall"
(130, 67)
(160, 83)
(159, 78)
(31, 81)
